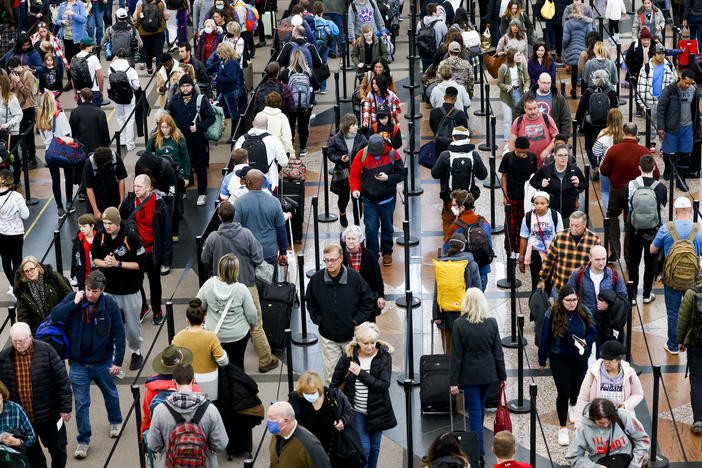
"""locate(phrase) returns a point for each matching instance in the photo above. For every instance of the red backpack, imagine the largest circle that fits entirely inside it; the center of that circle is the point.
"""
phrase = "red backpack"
(187, 445)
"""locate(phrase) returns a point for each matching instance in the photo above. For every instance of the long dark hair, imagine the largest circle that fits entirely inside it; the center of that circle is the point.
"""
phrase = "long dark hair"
(547, 56)
(21, 40)
(386, 68)
(460, 17)
(603, 408)
(445, 445)
(559, 318)
(382, 82)
(592, 38)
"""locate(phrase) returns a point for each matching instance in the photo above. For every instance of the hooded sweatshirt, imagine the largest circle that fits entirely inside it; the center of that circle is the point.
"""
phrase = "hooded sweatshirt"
(279, 126)
(241, 315)
(361, 14)
(440, 28)
(233, 238)
(447, 462)
(590, 441)
(155, 385)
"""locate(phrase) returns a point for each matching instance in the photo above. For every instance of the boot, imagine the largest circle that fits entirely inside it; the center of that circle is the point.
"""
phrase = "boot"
(680, 183)
(666, 162)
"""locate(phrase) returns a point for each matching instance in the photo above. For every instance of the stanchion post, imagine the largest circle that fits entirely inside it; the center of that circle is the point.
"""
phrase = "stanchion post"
(12, 312)
(512, 341)
(482, 111)
(326, 217)
(412, 153)
(248, 463)
(648, 128)
(631, 99)
(695, 210)
(606, 235)
(288, 354)
(406, 239)
(619, 67)
(586, 208)
(57, 250)
(600, 22)
(336, 86)
(118, 136)
(656, 460)
(520, 405)
(28, 200)
(631, 293)
(488, 138)
(137, 420)
(575, 141)
(671, 186)
(304, 338)
(145, 105)
(494, 227)
(201, 270)
(170, 321)
(407, 384)
(402, 300)
(337, 117)
(532, 425)
(315, 224)
(409, 339)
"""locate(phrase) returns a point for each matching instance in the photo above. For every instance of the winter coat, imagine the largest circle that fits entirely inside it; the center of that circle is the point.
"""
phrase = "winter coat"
(287, 50)
(239, 405)
(78, 260)
(574, 38)
(162, 248)
(476, 353)
(442, 168)
(658, 23)
(447, 462)
(28, 311)
(236, 239)
(535, 70)
(634, 58)
(686, 315)
(379, 413)
(669, 110)
(230, 79)
(606, 321)
(136, 42)
(241, 315)
(358, 52)
(362, 174)
(586, 288)
(185, 114)
(89, 126)
(78, 21)
(563, 193)
(152, 387)
(369, 271)
(279, 126)
(582, 114)
(200, 50)
(336, 148)
(560, 110)
(160, 171)
(24, 88)
(564, 345)
(692, 7)
(504, 81)
(587, 11)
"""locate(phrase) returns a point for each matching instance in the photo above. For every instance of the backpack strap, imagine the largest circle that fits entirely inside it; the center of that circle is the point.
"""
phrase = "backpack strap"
(519, 123)
(364, 155)
(200, 412)
(673, 231)
(459, 222)
(693, 233)
(176, 415)
(615, 278)
(198, 103)
(554, 218)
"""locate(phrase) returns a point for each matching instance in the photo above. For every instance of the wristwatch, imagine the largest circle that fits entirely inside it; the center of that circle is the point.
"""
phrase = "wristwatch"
(119, 265)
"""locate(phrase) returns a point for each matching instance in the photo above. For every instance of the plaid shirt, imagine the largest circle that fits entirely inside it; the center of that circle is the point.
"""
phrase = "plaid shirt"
(644, 85)
(14, 419)
(355, 259)
(370, 108)
(564, 256)
(24, 381)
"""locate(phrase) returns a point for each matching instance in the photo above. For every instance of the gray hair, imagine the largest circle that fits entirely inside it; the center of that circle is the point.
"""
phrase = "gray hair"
(353, 229)
(579, 215)
(261, 121)
(600, 78)
(20, 330)
(630, 129)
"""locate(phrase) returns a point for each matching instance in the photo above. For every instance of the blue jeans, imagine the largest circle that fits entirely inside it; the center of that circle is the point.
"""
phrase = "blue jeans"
(108, 14)
(97, 98)
(673, 299)
(484, 281)
(550, 35)
(323, 56)
(229, 104)
(81, 376)
(370, 441)
(95, 20)
(604, 190)
(695, 24)
(475, 396)
(378, 217)
(337, 45)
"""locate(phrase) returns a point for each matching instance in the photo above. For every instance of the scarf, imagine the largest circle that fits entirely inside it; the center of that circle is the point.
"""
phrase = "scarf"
(38, 293)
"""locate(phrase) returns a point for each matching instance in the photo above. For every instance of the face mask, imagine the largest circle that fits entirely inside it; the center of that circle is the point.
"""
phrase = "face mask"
(273, 427)
(454, 210)
(220, 7)
(311, 397)
(208, 30)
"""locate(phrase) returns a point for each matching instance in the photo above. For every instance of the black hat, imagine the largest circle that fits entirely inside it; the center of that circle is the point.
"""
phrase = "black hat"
(376, 145)
(612, 349)
(384, 109)
(186, 79)
(241, 173)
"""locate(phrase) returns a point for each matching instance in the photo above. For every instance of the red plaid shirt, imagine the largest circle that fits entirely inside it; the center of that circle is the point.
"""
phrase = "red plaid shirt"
(355, 259)
(564, 256)
(24, 383)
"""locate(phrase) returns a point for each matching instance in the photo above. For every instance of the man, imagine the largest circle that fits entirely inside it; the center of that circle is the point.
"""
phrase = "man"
(186, 405)
(505, 449)
(149, 212)
(461, 69)
(640, 237)
(439, 91)
(89, 123)
(375, 172)
(265, 152)
(233, 186)
(678, 120)
(434, 22)
(539, 128)
(164, 179)
(22, 82)
(96, 335)
(337, 299)
(689, 337)
(685, 229)
(103, 179)
(297, 18)
(232, 237)
(292, 446)
(445, 118)
(334, 11)
(621, 165)
(122, 35)
(457, 168)
(298, 42)
(93, 79)
(273, 84)
(186, 56)
(262, 214)
(163, 75)
(193, 115)
(153, 39)
(124, 86)
(654, 76)
(548, 101)
(569, 250)
(37, 380)
(118, 253)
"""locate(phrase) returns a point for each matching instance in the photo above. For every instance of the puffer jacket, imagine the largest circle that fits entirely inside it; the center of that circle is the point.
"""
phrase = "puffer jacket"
(575, 38)
(658, 23)
(644, 85)
(28, 311)
(634, 59)
(336, 148)
(447, 462)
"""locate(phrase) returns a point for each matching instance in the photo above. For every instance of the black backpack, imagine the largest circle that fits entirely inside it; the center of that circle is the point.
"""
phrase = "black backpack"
(120, 89)
(11, 458)
(264, 90)
(477, 241)
(598, 107)
(258, 157)
(80, 73)
(444, 131)
(426, 40)
(121, 39)
(151, 21)
(461, 171)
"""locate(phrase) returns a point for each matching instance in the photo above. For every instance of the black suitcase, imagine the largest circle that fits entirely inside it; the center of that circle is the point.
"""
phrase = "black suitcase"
(277, 302)
(434, 380)
(294, 192)
(469, 440)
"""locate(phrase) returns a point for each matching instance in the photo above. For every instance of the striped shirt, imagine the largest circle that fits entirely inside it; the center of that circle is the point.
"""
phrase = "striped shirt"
(360, 401)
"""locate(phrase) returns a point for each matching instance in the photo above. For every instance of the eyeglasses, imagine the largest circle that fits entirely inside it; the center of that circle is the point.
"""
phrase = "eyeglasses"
(331, 260)
(571, 299)
(30, 269)
(21, 340)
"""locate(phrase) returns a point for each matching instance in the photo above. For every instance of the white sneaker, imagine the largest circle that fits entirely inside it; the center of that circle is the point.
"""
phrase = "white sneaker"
(201, 200)
(571, 414)
(649, 299)
(11, 294)
(563, 437)
(81, 451)
(115, 430)
(130, 146)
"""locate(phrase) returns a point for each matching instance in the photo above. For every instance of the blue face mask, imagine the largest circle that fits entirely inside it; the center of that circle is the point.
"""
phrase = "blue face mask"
(273, 427)
(311, 397)
(220, 7)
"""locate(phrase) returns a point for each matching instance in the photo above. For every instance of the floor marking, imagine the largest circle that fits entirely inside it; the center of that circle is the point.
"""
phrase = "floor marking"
(38, 216)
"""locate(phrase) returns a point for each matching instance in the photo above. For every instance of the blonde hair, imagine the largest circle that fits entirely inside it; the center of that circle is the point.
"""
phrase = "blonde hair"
(5, 90)
(187, 68)
(47, 111)
(310, 382)
(475, 306)
(225, 51)
(29, 259)
(599, 50)
(298, 63)
(333, 248)
(174, 134)
(228, 268)
(366, 332)
(233, 27)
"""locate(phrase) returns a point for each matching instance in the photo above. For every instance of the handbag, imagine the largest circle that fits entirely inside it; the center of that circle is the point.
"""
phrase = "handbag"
(348, 451)
(548, 11)
(493, 63)
(322, 72)
(427, 154)
(294, 170)
(61, 153)
(619, 460)
(502, 420)
(485, 40)
(340, 178)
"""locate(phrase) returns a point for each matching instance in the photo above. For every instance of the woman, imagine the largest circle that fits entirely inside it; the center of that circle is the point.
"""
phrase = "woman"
(44, 34)
(10, 112)
(81, 259)
(322, 411)
(26, 54)
(541, 62)
(207, 351)
(445, 452)
(614, 12)
(514, 38)
(563, 191)
(341, 149)
(15, 429)
(301, 116)
(607, 430)
(476, 358)
(380, 94)
(608, 137)
(591, 125)
(650, 16)
(592, 38)
(380, 67)
(566, 339)
(514, 11)
(575, 34)
(278, 124)
(72, 17)
(227, 301)
(231, 90)
(153, 40)
(235, 39)
(13, 210)
(208, 40)
(367, 50)
(224, 7)
(600, 62)
(513, 80)
(610, 377)
(52, 123)
(364, 262)
(366, 370)
(38, 289)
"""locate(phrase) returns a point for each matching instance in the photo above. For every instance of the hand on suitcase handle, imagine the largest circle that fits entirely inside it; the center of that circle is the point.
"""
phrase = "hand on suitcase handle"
(454, 390)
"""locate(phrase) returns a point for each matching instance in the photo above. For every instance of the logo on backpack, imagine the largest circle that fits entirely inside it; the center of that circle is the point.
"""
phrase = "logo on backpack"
(258, 157)
(80, 73)
(644, 206)
(301, 90)
(681, 270)
(598, 107)
(187, 444)
(151, 19)
(53, 332)
(461, 171)
(426, 40)
(120, 89)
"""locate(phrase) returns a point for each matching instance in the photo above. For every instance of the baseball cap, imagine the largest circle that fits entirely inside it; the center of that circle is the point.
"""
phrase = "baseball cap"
(121, 13)
(241, 173)
(682, 202)
(88, 40)
(376, 145)
(461, 130)
(454, 47)
(659, 49)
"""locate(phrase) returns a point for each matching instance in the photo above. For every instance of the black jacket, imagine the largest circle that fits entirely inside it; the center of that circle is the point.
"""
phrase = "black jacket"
(614, 318)
(286, 52)
(437, 115)
(126, 247)
(184, 115)
(89, 126)
(337, 307)
(379, 416)
(78, 260)
(563, 193)
(162, 249)
(442, 168)
(668, 114)
(51, 390)
(160, 171)
(476, 353)
(369, 271)
(392, 129)
(634, 59)
(336, 147)
(581, 114)
(28, 311)
(201, 76)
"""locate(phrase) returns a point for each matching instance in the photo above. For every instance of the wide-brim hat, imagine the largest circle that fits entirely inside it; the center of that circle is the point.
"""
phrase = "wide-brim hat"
(166, 360)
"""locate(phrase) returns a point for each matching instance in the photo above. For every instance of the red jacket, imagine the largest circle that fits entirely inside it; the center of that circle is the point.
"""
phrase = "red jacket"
(363, 171)
(154, 385)
(621, 163)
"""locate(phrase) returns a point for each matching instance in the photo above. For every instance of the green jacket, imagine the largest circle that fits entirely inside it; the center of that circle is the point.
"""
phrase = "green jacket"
(28, 311)
(504, 81)
(172, 150)
(686, 315)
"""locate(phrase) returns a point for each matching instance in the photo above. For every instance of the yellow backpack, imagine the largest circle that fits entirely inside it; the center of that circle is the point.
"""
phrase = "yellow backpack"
(450, 284)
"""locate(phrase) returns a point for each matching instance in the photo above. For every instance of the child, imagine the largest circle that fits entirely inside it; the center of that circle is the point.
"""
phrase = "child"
(81, 259)
(504, 449)
(52, 78)
(389, 128)
(539, 227)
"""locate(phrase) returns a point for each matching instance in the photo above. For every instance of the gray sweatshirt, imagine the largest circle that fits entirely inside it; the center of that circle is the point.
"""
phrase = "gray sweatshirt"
(365, 13)
(233, 238)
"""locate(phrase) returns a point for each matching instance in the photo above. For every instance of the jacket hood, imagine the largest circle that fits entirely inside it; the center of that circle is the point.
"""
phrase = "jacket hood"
(383, 347)
(222, 290)
(608, 295)
(272, 111)
(654, 9)
(462, 146)
(121, 26)
(584, 19)
(427, 20)
(186, 402)
(229, 230)
(446, 462)
(160, 382)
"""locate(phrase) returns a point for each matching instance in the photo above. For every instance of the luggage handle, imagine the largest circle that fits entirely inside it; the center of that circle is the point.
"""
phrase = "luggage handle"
(451, 409)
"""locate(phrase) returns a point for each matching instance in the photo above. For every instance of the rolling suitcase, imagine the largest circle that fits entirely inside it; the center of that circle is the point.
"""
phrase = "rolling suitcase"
(277, 302)
(434, 380)
(469, 440)
(293, 192)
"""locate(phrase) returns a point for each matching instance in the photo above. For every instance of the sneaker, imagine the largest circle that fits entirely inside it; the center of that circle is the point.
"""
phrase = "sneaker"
(32, 164)
(158, 318)
(143, 314)
(81, 197)
(71, 210)
(696, 427)
(165, 270)
(137, 359)
(571, 414)
(141, 66)
(272, 365)
(115, 429)
(649, 299)
(74, 281)
(175, 239)
(322, 91)
(130, 146)
(201, 200)
(387, 260)
(81, 451)
(303, 153)
(61, 212)
(149, 71)
(670, 351)
(343, 220)
(563, 437)
(11, 294)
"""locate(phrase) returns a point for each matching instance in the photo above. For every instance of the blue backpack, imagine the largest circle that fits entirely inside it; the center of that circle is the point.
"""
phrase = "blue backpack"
(53, 332)
(322, 37)
(158, 399)
(305, 51)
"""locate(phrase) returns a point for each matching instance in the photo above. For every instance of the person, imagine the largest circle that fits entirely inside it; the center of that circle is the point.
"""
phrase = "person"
(298, 43)
(122, 35)
(375, 179)
(164, 180)
(193, 115)
(274, 151)
(36, 379)
(233, 184)
(445, 452)
(435, 22)
(11, 114)
(231, 89)
(648, 89)
(363, 13)
(25, 53)
(454, 117)
(324, 28)
(88, 125)
(438, 92)
(321, 410)
(379, 67)
(387, 128)
(650, 16)
(461, 69)
(548, 101)
(52, 79)
(609, 136)
(185, 53)
(165, 76)
(514, 11)
(476, 358)
(514, 38)
(380, 95)
(538, 230)
(561, 179)
(639, 53)
(692, 18)
(341, 149)
(273, 84)
(504, 448)
(81, 261)
(566, 339)
(44, 34)
(512, 79)
(569, 250)
(186, 404)
(13, 210)
(210, 37)
(603, 424)
(13, 422)
(38, 288)
(22, 83)
(103, 178)
(365, 263)
(96, 335)
(610, 377)
(121, 88)
(600, 61)
(575, 31)
(690, 341)
(677, 121)
(152, 35)
(461, 154)
(539, 128)
(96, 81)
(541, 62)
(72, 18)
(292, 446)
(365, 370)
(302, 82)
(681, 228)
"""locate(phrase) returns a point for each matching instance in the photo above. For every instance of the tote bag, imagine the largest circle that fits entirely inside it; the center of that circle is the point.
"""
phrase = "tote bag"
(502, 420)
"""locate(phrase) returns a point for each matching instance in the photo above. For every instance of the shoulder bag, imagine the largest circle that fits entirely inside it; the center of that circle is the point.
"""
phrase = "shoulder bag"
(224, 314)
(619, 460)
(61, 153)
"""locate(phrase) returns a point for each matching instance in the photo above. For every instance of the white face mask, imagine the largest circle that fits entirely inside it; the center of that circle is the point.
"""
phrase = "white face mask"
(208, 30)
(455, 210)
(311, 397)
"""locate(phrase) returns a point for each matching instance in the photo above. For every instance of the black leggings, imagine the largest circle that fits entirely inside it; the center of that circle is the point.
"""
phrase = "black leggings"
(11, 253)
(574, 77)
(153, 272)
(568, 373)
(236, 351)
(343, 202)
(614, 26)
(303, 126)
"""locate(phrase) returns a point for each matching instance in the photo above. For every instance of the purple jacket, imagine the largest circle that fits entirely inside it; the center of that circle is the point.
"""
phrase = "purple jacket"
(202, 41)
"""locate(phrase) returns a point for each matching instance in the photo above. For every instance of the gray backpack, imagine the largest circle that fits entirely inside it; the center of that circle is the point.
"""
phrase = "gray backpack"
(644, 206)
